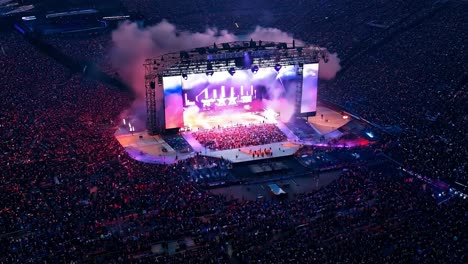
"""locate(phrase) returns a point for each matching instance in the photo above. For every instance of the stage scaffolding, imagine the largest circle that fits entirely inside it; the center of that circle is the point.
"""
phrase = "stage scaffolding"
(217, 58)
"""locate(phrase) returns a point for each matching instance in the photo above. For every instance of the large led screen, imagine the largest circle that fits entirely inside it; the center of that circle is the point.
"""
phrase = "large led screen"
(173, 103)
(309, 88)
(244, 90)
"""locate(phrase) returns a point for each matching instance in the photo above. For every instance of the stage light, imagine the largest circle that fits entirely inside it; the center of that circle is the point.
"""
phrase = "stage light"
(232, 71)
(277, 67)
(345, 117)
(184, 75)
(254, 69)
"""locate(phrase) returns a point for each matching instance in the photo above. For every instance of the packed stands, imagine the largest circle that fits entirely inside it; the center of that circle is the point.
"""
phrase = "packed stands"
(70, 193)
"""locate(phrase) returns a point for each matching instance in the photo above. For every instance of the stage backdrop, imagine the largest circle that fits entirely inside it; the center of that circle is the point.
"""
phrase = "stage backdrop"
(244, 90)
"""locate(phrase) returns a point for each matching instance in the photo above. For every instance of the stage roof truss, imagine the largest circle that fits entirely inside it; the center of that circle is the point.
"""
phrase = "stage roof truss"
(261, 54)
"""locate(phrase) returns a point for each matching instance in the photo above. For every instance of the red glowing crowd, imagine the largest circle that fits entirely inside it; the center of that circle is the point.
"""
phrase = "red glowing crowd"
(69, 193)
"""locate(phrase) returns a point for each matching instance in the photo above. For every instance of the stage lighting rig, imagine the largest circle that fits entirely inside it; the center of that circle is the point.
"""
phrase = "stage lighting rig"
(254, 69)
(209, 69)
(278, 67)
(226, 57)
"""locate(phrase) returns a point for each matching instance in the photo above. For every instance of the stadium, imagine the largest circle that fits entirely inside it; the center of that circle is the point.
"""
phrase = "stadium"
(246, 132)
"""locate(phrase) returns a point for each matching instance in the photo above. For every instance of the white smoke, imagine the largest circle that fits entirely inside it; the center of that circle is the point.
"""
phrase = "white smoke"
(132, 45)
(328, 70)
(272, 34)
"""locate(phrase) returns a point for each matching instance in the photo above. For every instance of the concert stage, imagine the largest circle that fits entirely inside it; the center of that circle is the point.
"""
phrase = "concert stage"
(240, 101)
(146, 148)
(281, 149)
(149, 149)
(326, 120)
(327, 131)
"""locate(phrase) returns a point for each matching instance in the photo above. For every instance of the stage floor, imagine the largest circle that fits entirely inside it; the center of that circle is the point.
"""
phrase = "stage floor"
(329, 122)
(153, 149)
(146, 148)
(227, 118)
(280, 149)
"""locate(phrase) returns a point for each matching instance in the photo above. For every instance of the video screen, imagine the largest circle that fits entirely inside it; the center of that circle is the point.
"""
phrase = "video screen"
(244, 90)
(309, 88)
(174, 108)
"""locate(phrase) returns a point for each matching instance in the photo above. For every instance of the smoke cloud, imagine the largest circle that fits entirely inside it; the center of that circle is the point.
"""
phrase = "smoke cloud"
(272, 34)
(328, 70)
(133, 44)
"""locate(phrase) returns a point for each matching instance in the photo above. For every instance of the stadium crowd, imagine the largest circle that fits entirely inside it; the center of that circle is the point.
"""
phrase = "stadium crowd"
(239, 136)
(407, 90)
(69, 192)
(368, 215)
(203, 169)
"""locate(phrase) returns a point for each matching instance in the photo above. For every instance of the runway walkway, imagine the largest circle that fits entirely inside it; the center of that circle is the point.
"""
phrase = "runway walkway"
(289, 134)
(197, 147)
